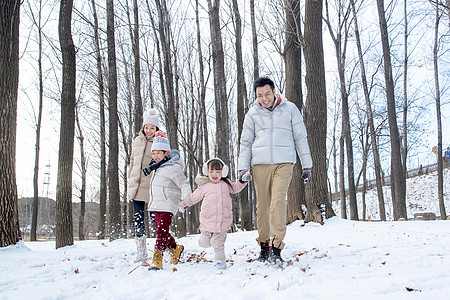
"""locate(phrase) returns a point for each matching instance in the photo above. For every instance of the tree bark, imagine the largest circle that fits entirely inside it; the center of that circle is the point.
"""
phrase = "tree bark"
(113, 165)
(254, 41)
(220, 96)
(83, 179)
(171, 111)
(316, 110)
(294, 88)
(242, 105)
(438, 116)
(138, 108)
(373, 137)
(64, 224)
(34, 219)
(398, 182)
(405, 91)
(101, 100)
(340, 43)
(9, 79)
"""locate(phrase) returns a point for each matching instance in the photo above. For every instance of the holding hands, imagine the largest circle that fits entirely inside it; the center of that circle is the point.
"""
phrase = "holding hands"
(244, 176)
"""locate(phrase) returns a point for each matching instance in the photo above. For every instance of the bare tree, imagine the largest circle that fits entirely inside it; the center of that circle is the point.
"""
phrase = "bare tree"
(138, 108)
(294, 92)
(113, 166)
(316, 109)
(9, 79)
(254, 41)
(373, 137)
(101, 100)
(37, 21)
(220, 95)
(438, 114)
(204, 123)
(398, 182)
(242, 105)
(171, 107)
(405, 90)
(340, 39)
(64, 224)
(83, 166)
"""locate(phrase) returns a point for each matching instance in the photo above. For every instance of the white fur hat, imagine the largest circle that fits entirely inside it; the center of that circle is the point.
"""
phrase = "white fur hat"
(151, 117)
(160, 142)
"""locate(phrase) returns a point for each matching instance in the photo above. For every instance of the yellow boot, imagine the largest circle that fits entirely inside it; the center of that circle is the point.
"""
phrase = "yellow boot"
(175, 253)
(157, 262)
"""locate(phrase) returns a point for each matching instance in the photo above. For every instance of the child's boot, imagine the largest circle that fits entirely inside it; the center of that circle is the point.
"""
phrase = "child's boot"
(157, 262)
(141, 244)
(175, 253)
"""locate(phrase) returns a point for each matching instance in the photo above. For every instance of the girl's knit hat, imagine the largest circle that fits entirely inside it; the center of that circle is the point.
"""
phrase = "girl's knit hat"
(160, 142)
(151, 117)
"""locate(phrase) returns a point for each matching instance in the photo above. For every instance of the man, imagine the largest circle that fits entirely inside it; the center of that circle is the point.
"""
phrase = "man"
(272, 133)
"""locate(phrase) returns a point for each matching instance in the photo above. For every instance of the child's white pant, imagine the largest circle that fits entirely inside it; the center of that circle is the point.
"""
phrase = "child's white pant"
(215, 240)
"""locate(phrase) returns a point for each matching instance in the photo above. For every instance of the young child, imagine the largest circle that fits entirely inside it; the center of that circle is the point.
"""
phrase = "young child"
(138, 185)
(168, 186)
(216, 215)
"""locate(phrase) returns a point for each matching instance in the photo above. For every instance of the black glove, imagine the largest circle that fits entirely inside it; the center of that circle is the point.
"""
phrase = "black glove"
(150, 168)
(306, 175)
(154, 165)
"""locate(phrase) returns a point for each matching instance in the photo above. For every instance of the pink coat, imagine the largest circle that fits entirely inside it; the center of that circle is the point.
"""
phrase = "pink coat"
(215, 213)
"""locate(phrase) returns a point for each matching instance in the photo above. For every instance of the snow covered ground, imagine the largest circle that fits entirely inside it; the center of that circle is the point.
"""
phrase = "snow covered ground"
(340, 260)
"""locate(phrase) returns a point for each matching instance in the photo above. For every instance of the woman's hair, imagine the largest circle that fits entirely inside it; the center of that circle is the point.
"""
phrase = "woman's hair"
(216, 164)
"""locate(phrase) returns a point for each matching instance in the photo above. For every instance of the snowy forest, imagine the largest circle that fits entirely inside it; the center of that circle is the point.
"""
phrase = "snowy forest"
(371, 79)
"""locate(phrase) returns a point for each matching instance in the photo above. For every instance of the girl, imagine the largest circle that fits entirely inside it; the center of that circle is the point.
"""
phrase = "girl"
(215, 216)
(138, 184)
(168, 185)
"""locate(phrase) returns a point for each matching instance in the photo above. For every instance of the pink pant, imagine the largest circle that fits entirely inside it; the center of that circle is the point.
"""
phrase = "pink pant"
(164, 240)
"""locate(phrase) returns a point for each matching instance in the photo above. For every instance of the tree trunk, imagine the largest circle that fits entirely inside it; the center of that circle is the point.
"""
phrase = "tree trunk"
(316, 110)
(373, 137)
(397, 177)
(64, 224)
(9, 79)
(83, 179)
(171, 111)
(34, 219)
(342, 178)
(254, 41)
(438, 117)
(242, 105)
(138, 109)
(293, 66)
(204, 123)
(405, 92)
(220, 96)
(113, 165)
(101, 100)
(340, 39)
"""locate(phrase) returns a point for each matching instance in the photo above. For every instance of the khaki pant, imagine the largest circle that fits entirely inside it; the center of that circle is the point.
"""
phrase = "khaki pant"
(215, 240)
(271, 184)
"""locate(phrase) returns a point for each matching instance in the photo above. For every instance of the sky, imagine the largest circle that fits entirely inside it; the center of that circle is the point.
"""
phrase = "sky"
(341, 259)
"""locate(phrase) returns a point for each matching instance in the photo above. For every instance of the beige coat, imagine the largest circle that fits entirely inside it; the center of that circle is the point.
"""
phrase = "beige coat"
(141, 155)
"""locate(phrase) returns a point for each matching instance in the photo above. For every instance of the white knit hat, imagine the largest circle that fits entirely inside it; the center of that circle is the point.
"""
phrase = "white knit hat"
(151, 117)
(160, 142)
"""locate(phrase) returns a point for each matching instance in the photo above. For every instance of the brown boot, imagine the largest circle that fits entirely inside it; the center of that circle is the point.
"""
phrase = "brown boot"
(157, 262)
(175, 253)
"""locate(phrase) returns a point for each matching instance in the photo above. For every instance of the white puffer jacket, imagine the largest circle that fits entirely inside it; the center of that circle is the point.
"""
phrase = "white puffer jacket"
(168, 185)
(272, 137)
(141, 155)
